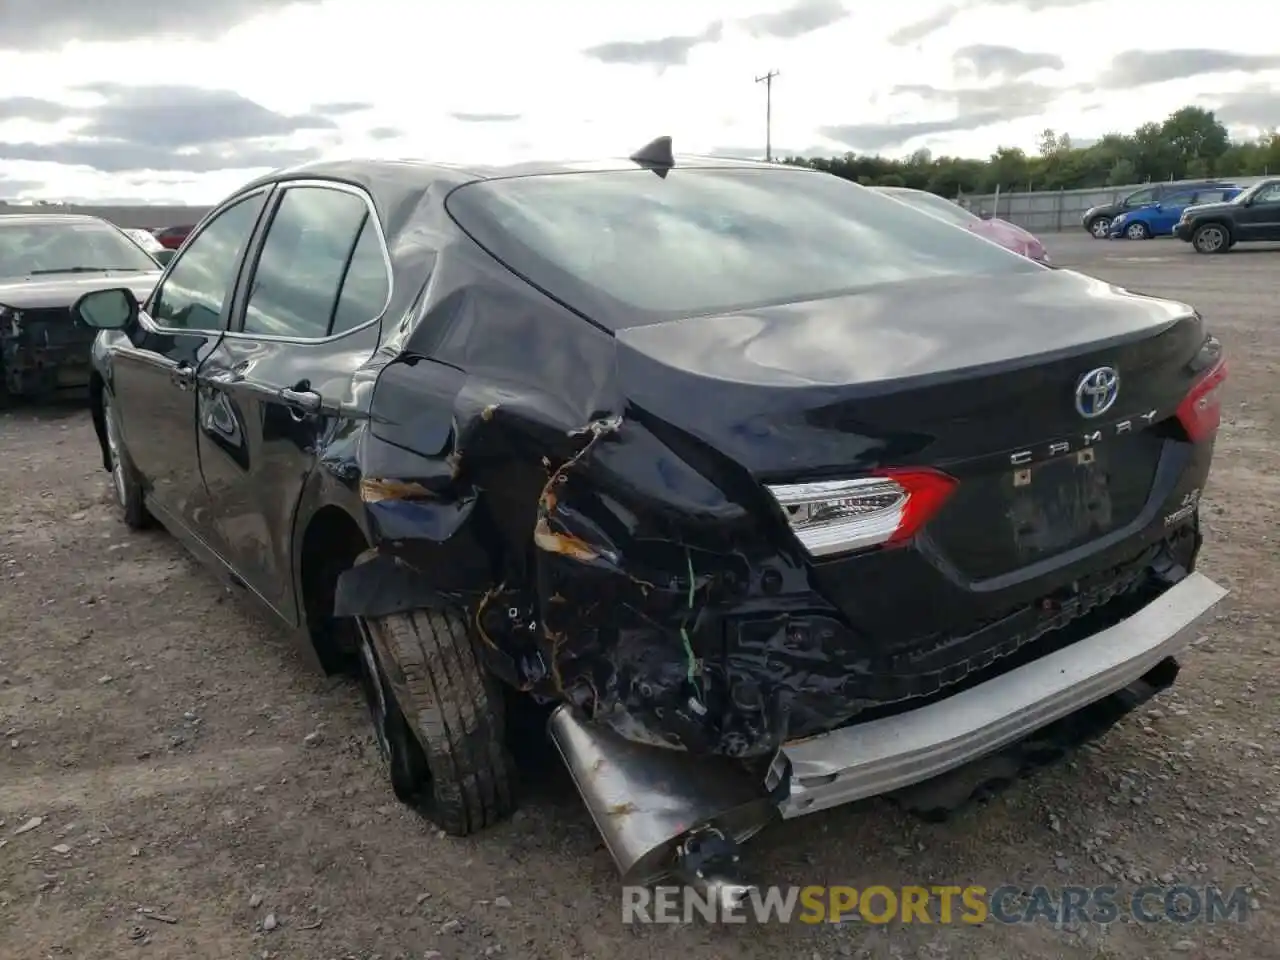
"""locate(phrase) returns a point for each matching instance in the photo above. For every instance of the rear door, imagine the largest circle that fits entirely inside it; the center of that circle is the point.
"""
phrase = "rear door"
(153, 378)
(271, 391)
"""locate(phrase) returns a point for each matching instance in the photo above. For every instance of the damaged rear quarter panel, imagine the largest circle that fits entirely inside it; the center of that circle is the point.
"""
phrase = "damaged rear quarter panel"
(601, 553)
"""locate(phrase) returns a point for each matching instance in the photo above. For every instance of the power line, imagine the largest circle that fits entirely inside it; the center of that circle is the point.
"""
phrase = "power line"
(767, 79)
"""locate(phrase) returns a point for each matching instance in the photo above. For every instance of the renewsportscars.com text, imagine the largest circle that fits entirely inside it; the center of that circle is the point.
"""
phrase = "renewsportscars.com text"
(941, 905)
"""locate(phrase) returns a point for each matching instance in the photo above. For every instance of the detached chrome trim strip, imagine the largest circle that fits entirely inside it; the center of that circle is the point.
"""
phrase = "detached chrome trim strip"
(872, 758)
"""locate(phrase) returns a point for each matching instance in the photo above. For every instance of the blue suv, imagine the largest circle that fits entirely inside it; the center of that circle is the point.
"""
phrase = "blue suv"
(1097, 219)
(1158, 218)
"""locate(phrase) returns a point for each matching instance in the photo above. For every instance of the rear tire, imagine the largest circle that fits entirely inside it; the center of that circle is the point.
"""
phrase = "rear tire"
(443, 723)
(125, 484)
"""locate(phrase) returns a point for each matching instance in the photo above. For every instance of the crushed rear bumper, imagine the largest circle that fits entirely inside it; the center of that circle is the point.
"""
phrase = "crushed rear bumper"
(880, 756)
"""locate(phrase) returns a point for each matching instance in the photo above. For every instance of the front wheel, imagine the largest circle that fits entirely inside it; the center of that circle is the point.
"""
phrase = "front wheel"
(124, 479)
(1211, 238)
(440, 719)
(1100, 227)
(1137, 231)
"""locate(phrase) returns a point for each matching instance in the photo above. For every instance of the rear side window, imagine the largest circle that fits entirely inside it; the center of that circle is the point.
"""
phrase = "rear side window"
(304, 257)
(1216, 195)
(365, 289)
(1178, 199)
(628, 247)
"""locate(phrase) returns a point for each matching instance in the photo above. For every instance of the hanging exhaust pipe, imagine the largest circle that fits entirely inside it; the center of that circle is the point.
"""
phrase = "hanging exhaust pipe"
(664, 813)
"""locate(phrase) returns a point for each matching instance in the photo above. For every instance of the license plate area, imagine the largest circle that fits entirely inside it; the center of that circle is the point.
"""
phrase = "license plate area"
(1002, 521)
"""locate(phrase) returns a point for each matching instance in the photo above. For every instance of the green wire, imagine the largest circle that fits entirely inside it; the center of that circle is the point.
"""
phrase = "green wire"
(684, 634)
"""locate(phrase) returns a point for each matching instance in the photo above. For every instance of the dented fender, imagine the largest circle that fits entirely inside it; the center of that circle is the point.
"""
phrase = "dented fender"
(597, 566)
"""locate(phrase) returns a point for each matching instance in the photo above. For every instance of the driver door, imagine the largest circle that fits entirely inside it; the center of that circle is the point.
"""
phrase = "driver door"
(1260, 220)
(1140, 199)
(153, 377)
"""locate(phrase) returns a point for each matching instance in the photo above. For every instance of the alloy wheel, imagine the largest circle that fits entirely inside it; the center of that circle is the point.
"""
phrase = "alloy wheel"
(1136, 231)
(1101, 227)
(1211, 239)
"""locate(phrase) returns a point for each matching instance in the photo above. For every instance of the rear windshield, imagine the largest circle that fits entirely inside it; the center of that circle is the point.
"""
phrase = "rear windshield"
(629, 247)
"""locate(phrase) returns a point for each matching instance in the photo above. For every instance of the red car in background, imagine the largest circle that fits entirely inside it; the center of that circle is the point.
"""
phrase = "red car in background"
(172, 237)
(1008, 235)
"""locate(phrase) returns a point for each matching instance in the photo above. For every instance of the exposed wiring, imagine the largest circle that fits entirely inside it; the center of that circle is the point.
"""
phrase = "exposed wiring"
(693, 667)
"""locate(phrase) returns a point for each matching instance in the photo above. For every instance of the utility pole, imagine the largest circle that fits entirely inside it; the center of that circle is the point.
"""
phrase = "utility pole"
(767, 79)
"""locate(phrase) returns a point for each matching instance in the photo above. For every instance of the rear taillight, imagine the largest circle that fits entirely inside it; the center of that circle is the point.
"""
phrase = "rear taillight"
(1200, 411)
(838, 516)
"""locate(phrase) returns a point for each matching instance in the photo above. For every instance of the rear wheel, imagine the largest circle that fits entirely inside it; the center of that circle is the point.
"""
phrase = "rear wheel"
(1211, 238)
(1137, 231)
(124, 479)
(440, 719)
(1100, 227)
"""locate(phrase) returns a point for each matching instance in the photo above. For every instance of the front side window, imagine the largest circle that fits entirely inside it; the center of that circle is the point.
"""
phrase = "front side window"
(295, 285)
(1212, 196)
(48, 247)
(1269, 194)
(628, 247)
(200, 281)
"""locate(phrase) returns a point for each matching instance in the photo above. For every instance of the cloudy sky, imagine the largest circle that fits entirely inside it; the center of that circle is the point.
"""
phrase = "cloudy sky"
(183, 100)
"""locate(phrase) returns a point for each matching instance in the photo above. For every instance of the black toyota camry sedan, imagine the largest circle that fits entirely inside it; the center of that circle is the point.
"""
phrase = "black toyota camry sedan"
(735, 465)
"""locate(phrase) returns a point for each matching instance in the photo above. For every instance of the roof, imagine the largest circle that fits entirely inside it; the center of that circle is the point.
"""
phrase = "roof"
(49, 218)
(420, 171)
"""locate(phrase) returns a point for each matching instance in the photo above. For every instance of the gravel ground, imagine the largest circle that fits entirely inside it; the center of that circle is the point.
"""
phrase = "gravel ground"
(196, 792)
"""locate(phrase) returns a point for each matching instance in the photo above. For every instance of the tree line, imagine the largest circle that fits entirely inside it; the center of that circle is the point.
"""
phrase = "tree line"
(1189, 143)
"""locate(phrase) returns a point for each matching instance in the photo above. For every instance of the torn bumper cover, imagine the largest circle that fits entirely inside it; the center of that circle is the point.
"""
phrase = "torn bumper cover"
(879, 756)
(42, 350)
(645, 801)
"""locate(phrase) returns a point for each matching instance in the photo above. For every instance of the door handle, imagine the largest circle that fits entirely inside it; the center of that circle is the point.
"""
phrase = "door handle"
(183, 376)
(301, 402)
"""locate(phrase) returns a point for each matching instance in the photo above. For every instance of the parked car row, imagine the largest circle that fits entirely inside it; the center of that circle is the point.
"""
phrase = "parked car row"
(1213, 216)
(770, 491)
(1158, 218)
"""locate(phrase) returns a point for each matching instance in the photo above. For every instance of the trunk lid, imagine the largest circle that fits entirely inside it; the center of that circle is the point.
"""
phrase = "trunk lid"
(975, 377)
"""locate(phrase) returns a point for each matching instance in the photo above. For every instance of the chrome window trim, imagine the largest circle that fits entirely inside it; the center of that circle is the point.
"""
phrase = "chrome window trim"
(285, 185)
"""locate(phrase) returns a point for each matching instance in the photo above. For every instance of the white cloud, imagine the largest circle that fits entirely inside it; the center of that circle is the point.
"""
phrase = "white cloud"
(417, 66)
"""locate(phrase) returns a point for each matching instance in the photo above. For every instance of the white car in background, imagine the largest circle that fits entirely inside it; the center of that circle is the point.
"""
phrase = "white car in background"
(147, 241)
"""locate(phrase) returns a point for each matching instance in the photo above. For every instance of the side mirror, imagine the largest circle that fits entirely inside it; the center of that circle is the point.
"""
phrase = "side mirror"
(112, 309)
(164, 256)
